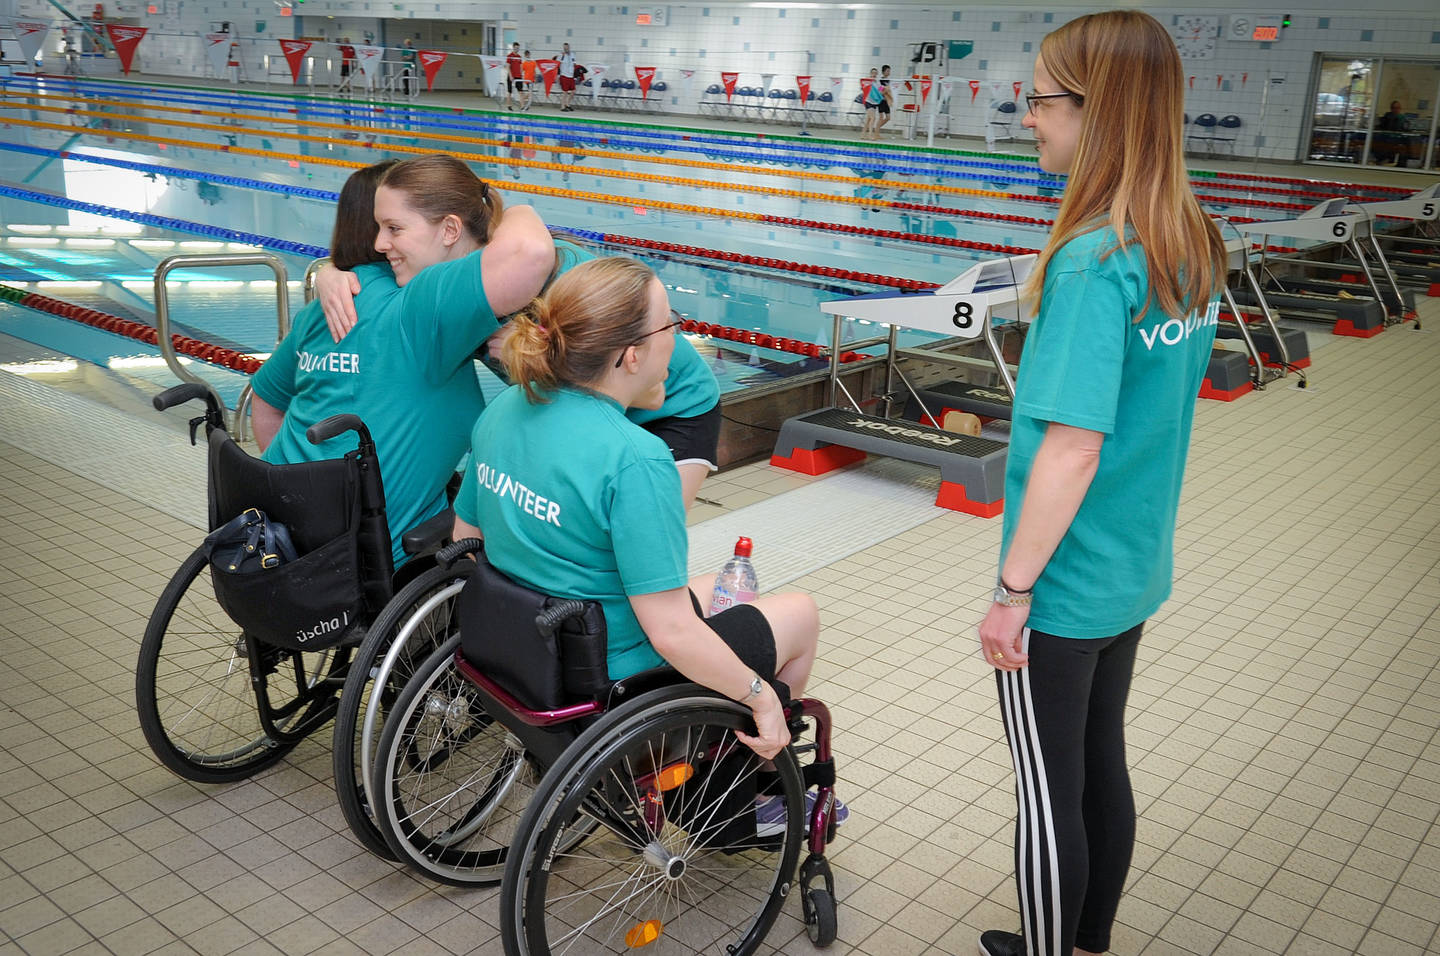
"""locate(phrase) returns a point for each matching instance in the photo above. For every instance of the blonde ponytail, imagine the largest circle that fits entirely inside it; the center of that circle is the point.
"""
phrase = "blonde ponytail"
(572, 332)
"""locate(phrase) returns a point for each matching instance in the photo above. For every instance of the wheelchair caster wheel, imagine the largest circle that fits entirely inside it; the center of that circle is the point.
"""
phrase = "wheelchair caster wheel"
(821, 920)
(817, 900)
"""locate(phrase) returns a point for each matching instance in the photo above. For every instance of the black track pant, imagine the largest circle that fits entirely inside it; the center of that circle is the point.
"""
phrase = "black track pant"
(1065, 720)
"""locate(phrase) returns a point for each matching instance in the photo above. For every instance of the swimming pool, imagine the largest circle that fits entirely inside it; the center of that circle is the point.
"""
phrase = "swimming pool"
(103, 179)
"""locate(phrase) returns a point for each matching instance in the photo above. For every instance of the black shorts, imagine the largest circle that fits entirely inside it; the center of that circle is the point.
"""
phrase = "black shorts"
(884, 107)
(746, 632)
(694, 439)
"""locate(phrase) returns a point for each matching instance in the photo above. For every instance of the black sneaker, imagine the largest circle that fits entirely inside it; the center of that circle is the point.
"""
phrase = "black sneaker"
(997, 942)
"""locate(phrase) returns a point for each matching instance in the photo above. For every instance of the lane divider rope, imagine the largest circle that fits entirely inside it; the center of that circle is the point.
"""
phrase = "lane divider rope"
(676, 137)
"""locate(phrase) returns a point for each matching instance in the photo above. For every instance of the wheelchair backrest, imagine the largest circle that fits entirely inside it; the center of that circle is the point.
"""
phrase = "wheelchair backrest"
(316, 500)
(319, 502)
(543, 668)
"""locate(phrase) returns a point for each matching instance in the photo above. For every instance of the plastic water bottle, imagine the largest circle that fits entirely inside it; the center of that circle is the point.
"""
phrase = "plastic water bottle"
(735, 584)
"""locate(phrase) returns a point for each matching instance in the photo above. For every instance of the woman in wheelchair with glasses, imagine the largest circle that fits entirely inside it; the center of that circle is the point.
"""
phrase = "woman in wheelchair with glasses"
(573, 499)
(457, 258)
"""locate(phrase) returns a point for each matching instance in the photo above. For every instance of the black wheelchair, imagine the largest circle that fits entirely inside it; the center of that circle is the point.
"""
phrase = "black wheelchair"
(236, 669)
(616, 814)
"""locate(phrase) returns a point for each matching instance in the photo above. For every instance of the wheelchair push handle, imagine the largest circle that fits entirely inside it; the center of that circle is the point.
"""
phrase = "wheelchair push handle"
(178, 395)
(451, 553)
(327, 429)
(214, 417)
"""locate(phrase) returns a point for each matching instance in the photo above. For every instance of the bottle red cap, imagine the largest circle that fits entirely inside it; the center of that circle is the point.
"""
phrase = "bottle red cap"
(743, 547)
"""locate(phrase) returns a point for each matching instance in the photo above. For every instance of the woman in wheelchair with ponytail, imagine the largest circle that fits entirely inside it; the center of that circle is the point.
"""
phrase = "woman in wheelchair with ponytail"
(574, 499)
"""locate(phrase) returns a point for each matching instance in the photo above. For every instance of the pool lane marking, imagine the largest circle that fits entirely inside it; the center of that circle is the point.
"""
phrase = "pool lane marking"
(499, 144)
(509, 185)
(680, 136)
(865, 201)
(626, 156)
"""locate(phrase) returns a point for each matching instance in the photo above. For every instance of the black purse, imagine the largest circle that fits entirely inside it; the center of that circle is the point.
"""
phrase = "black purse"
(249, 543)
(298, 602)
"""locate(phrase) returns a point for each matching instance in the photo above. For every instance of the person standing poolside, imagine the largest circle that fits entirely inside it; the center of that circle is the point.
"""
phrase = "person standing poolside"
(874, 98)
(409, 61)
(1126, 288)
(347, 64)
(884, 106)
(566, 59)
(527, 82)
(513, 79)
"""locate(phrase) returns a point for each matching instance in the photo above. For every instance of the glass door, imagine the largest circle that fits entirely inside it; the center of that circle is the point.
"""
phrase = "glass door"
(1340, 117)
(1405, 114)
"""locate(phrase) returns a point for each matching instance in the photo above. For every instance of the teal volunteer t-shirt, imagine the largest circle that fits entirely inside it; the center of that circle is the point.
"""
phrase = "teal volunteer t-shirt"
(1087, 364)
(576, 501)
(405, 369)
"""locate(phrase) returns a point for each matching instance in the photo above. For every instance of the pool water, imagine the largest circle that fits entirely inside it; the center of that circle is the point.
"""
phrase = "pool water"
(106, 179)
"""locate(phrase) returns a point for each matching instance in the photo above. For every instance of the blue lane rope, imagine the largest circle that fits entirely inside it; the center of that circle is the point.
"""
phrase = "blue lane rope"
(152, 169)
(167, 222)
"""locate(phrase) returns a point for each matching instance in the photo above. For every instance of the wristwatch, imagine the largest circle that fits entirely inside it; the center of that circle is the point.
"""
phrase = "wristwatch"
(756, 687)
(1009, 597)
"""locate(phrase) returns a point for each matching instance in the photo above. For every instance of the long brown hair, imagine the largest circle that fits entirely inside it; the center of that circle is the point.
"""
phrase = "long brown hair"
(571, 333)
(353, 240)
(1129, 169)
(437, 185)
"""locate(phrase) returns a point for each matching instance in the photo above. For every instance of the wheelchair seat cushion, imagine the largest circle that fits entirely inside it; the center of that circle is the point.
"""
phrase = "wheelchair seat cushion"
(500, 636)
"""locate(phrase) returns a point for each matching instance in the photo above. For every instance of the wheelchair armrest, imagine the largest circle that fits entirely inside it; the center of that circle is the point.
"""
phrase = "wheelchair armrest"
(428, 534)
(453, 552)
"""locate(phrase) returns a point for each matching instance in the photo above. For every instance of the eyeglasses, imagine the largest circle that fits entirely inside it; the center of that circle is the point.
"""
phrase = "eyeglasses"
(676, 320)
(1032, 98)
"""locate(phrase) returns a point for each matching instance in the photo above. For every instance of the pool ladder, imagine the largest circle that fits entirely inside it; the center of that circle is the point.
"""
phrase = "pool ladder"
(282, 313)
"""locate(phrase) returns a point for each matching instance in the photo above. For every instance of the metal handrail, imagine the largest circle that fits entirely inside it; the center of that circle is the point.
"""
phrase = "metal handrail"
(162, 316)
(311, 271)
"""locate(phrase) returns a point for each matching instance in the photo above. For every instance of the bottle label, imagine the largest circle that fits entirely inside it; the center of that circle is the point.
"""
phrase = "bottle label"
(725, 598)
(722, 600)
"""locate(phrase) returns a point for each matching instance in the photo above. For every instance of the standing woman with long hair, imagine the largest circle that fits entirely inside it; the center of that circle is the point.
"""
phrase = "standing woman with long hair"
(1126, 289)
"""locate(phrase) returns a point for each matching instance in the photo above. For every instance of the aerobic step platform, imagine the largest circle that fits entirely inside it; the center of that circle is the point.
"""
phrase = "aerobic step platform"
(972, 470)
(986, 401)
(1361, 317)
(1356, 286)
(1296, 345)
(1417, 265)
(1227, 377)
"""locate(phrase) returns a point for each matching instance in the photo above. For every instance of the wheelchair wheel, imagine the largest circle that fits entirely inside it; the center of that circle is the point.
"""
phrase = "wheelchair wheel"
(450, 783)
(193, 690)
(415, 622)
(674, 862)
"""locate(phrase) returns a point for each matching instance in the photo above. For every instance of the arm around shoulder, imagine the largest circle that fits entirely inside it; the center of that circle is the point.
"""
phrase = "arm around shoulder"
(517, 261)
